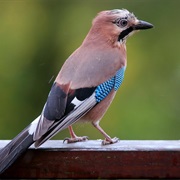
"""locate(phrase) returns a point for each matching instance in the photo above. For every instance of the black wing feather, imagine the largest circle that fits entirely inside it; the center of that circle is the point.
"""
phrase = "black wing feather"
(56, 103)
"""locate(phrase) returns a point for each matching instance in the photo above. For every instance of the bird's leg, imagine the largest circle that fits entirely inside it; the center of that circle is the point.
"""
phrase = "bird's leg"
(108, 139)
(73, 137)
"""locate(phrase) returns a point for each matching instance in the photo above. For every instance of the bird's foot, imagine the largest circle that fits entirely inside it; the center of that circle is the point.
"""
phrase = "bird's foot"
(110, 141)
(76, 139)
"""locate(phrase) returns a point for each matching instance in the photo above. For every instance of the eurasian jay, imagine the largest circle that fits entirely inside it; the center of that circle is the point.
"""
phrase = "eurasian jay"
(85, 85)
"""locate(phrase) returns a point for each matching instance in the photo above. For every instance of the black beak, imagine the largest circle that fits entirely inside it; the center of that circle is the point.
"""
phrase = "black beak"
(142, 25)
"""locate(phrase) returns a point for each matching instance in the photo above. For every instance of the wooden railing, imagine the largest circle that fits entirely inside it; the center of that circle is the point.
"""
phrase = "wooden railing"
(125, 159)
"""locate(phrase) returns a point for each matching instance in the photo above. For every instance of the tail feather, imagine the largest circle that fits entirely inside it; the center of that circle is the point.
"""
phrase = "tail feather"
(15, 148)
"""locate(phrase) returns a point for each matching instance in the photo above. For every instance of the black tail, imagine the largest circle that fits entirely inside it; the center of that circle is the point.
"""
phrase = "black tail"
(14, 149)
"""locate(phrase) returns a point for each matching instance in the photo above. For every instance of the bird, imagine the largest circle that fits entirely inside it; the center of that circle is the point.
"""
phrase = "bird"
(85, 86)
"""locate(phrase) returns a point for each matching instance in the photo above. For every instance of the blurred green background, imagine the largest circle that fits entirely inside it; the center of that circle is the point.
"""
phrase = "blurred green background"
(36, 37)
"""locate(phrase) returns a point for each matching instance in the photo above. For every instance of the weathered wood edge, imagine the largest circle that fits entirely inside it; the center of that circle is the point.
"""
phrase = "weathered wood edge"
(123, 145)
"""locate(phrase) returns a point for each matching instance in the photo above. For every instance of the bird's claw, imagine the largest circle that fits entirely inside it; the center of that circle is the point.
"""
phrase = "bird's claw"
(76, 139)
(110, 141)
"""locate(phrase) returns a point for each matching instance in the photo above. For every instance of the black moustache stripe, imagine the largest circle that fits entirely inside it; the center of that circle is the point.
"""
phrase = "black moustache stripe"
(125, 33)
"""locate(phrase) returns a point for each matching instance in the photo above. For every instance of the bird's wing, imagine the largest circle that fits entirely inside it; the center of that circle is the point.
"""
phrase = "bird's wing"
(60, 103)
(68, 119)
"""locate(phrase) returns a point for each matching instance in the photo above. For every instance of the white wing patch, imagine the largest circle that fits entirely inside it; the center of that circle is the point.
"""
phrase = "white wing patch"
(76, 102)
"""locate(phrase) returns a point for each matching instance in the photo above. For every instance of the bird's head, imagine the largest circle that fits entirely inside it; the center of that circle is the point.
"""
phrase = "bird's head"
(117, 25)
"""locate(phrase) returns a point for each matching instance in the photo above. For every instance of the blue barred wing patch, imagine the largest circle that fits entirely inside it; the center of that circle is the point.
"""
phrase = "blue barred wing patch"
(119, 78)
(105, 88)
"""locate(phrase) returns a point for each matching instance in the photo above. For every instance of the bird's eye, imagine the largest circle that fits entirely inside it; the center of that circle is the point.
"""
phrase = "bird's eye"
(121, 22)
